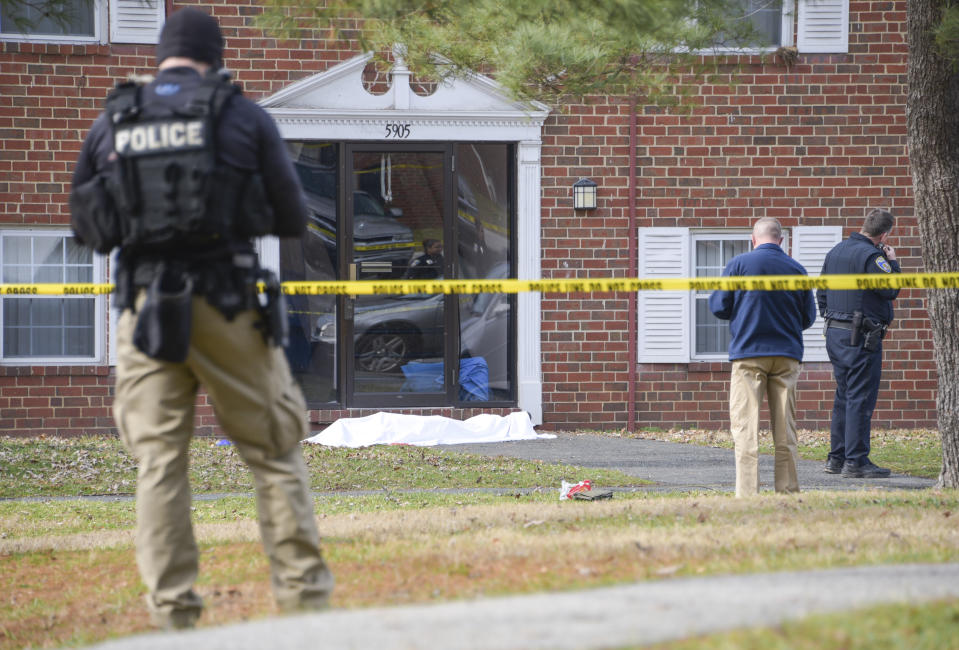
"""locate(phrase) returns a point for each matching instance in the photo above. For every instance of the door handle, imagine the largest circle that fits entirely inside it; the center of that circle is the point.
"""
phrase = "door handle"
(350, 300)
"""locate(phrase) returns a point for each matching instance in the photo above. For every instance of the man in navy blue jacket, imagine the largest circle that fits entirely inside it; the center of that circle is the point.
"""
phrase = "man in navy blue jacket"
(766, 349)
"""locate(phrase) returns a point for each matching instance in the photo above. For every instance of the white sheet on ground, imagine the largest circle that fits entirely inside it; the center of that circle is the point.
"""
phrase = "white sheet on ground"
(426, 430)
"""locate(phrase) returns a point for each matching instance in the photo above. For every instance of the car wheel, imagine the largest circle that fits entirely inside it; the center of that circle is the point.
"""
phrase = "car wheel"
(382, 351)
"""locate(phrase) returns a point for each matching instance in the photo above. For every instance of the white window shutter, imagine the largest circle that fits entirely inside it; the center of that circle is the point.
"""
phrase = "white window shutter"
(810, 245)
(823, 26)
(663, 315)
(136, 21)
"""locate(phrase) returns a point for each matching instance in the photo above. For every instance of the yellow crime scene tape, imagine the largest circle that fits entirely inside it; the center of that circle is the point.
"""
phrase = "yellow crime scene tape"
(559, 285)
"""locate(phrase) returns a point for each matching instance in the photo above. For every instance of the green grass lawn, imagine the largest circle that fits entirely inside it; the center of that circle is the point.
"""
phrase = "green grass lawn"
(926, 626)
(391, 543)
(47, 467)
(916, 452)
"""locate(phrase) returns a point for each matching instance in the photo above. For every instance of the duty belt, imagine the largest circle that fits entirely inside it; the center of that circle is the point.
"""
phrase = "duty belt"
(839, 324)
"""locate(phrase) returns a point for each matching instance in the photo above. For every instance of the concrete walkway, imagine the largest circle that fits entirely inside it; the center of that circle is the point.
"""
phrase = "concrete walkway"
(611, 617)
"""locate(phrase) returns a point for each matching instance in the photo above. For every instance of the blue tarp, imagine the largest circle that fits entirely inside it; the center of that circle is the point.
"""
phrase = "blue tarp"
(427, 377)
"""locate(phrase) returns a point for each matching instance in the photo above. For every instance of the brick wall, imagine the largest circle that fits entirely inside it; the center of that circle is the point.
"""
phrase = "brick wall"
(818, 143)
(814, 144)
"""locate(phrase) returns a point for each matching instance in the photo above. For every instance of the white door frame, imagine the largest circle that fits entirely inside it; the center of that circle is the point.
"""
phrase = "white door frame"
(334, 106)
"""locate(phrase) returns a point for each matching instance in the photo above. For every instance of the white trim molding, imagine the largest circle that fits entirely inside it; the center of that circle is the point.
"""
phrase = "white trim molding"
(334, 106)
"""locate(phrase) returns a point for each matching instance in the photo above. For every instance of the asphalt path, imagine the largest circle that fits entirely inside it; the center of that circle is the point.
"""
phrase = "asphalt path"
(674, 466)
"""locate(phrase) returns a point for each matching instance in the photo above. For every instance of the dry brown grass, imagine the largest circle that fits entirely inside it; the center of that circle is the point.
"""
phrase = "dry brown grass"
(81, 587)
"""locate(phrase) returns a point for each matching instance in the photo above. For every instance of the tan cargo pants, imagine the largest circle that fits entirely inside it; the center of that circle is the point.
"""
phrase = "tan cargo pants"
(751, 381)
(262, 411)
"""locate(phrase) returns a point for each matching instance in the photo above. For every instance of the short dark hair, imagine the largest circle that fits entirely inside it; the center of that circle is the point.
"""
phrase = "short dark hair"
(878, 222)
(429, 242)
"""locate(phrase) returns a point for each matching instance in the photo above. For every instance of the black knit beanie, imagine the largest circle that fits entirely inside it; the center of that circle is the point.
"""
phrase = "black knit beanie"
(191, 33)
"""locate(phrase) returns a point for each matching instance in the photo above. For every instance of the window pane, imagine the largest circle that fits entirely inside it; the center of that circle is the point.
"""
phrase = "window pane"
(312, 350)
(45, 312)
(17, 274)
(16, 250)
(711, 334)
(47, 326)
(77, 18)
(78, 342)
(709, 258)
(48, 250)
(77, 254)
(757, 23)
(16, 341)
(482, 250)
(766, 17)
(78, 274)
(78, 312)
(732, 248)
(48, 274)
(45, 342)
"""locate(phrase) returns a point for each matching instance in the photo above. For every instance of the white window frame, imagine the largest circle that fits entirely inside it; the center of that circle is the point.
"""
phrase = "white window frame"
(812, 26)
(695, 236)
(787, 22)
(667, 325)
(99, 30)
(99, 310)
(114, 21)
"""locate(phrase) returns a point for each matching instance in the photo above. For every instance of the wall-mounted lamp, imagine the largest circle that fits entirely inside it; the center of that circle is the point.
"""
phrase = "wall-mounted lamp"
(584, 194)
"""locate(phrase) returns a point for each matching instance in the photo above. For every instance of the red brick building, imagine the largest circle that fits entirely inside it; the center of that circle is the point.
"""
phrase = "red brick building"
(814, 139)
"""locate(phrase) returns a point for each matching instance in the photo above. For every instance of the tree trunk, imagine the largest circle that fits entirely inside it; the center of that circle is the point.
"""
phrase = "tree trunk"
(932, 114)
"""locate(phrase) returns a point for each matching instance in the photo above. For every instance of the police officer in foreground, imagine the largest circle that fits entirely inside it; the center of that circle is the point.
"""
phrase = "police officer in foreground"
(856, 322)
(181, 174)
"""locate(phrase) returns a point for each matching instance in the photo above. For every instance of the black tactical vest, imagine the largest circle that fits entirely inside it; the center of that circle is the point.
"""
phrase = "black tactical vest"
(171, 182)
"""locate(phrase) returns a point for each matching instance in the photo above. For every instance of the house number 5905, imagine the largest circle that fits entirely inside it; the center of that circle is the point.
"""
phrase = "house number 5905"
(394, 130)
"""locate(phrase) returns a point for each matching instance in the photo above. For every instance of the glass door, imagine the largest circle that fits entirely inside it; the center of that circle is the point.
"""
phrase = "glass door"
(392, 211)
(399, 199)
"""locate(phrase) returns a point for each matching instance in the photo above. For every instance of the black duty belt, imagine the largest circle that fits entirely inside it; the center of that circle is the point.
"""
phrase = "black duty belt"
(839, 324)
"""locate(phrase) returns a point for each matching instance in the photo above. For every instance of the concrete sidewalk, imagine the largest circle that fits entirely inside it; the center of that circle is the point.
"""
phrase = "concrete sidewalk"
(612, 617)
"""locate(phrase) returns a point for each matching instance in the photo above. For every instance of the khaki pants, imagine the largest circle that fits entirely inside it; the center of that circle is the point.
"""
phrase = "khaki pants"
(262, 411)
(751, 380)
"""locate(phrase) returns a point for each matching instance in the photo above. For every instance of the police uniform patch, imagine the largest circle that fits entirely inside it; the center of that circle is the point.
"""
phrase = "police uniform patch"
(883, 264)
(158, 137)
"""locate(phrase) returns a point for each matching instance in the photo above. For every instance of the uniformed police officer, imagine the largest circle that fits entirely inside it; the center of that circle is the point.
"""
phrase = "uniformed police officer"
(856, 322)
(429, 265)
(181, 173)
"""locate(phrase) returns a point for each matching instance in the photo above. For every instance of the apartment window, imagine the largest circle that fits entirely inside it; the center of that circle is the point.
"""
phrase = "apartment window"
(766, 18)
(756, 24)
(49, 328)
(72, 20)
(711, 253)
(677, 326)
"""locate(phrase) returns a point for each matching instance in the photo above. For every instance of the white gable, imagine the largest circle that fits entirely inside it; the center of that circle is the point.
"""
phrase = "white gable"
(335, 105)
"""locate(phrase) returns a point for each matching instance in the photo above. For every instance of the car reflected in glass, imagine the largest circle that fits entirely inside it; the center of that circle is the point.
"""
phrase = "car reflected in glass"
(391, 331)
(377, 235)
